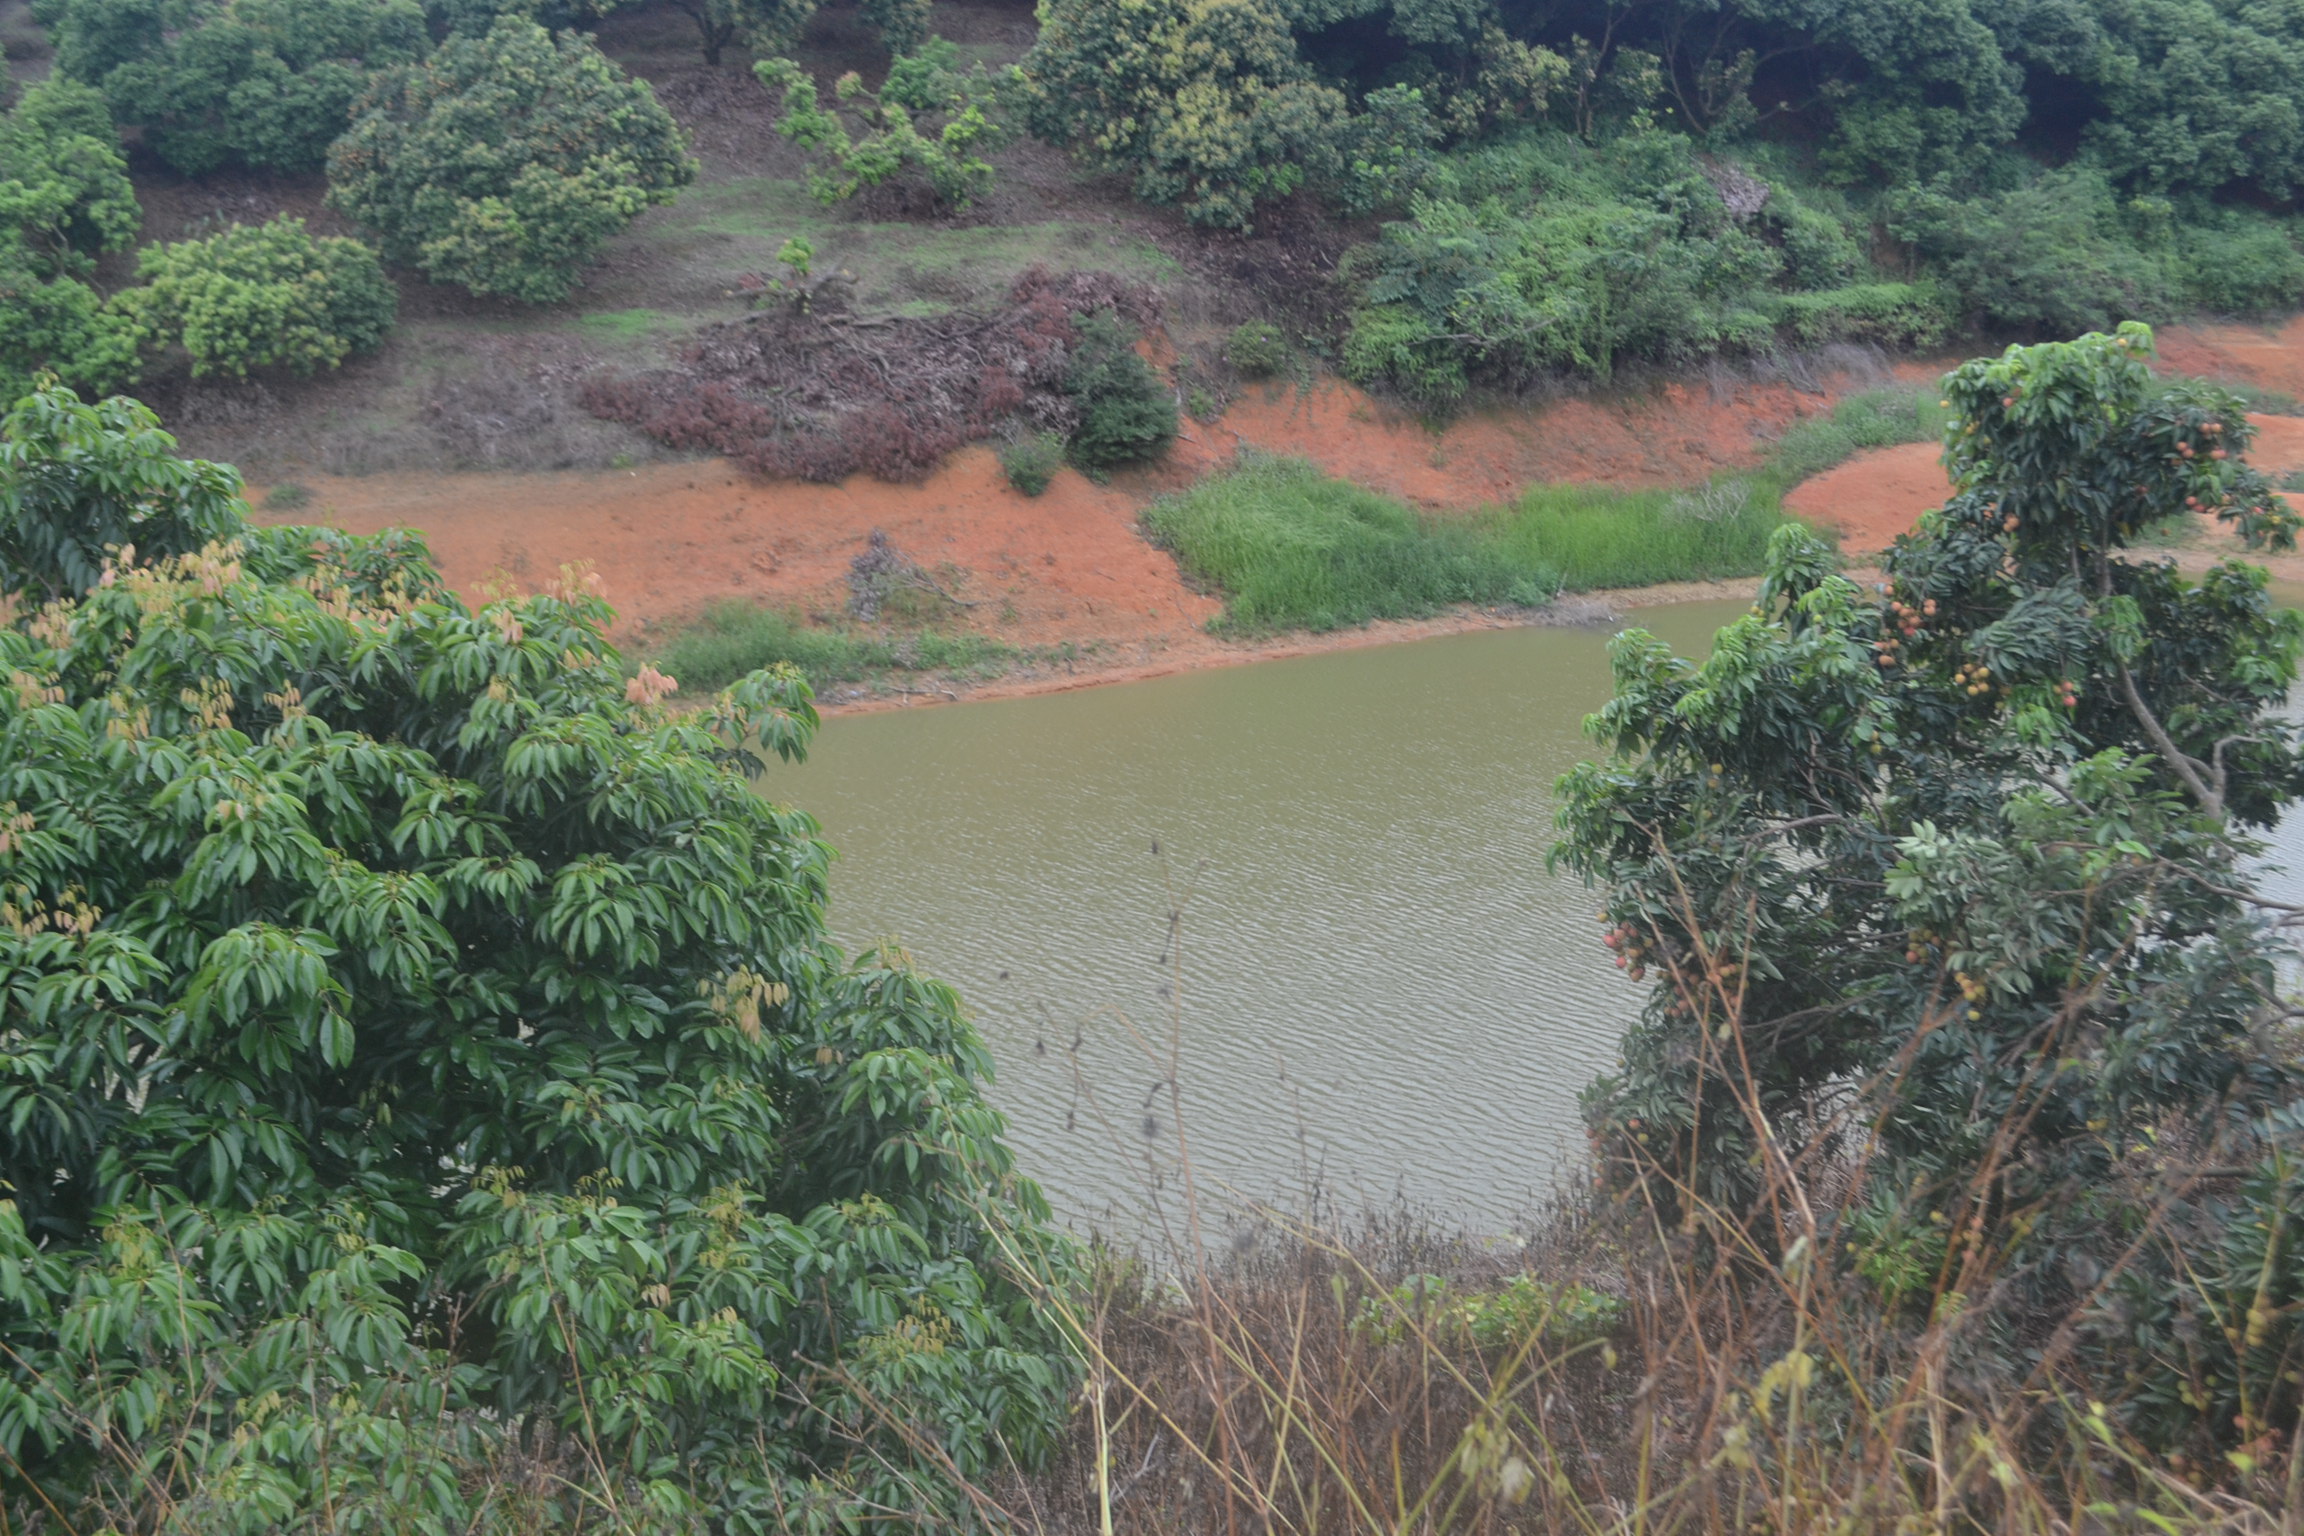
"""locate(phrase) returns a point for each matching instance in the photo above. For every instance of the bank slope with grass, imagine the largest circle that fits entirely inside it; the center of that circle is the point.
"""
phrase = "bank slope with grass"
(1292, 548)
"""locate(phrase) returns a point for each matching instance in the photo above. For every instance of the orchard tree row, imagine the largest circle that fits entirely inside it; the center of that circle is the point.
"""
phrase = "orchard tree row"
(501, 162)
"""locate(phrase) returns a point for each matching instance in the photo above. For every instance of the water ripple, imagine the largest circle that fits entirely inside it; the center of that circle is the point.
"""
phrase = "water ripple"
(1381, 986)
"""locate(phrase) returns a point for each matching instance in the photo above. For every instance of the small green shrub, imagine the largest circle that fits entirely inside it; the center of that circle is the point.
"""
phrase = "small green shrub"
(287, 496)
(930, 121)
(2048, 257)
(2241, 264)
(1542, 254)
(1892, 314)
(1126, 414)
(1257, 349)
(1505, 1319)
(734, 639)
(1033, 462)
(261, 296)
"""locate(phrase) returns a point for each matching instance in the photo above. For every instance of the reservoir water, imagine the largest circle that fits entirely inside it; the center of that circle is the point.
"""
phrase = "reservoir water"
(1380, 992)
(1381, 989)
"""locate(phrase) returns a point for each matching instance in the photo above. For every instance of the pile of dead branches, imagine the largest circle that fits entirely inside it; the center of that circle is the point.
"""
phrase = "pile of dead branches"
(821, 393)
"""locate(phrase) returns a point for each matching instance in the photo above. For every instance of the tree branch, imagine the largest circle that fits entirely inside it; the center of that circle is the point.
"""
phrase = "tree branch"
(2187, 768)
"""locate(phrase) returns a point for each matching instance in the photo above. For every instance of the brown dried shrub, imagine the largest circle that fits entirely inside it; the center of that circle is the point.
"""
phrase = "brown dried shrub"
(822, 393)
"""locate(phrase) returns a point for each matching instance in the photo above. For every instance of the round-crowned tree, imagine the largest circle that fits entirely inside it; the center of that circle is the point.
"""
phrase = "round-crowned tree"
(1206, 103)
(260, 296)
(64, 197)
(504, 162)
(421, 1055)
(260, 83)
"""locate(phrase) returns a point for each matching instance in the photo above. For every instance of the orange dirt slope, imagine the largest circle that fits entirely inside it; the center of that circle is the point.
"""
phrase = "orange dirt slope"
(1068, 565)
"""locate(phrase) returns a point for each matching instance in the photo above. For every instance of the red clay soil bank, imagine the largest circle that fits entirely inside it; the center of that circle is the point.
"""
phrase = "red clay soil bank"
(1067, 565)
(670, 539)
(1070, 566)
(1878, 495)
(1881, 493)
(2268, 359)
(1677, 436)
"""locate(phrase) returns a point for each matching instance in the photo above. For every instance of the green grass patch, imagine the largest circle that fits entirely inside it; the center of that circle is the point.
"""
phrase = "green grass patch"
(1880, 418)
(735, 638)
(629, 324)
(1291, 548)
(1596, 536)
(2265, 402)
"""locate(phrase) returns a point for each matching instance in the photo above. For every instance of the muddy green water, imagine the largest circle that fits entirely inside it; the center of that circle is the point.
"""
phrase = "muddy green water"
(1383, 993)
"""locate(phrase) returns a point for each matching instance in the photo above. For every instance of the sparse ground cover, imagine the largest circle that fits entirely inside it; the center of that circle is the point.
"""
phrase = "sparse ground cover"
(731, 639)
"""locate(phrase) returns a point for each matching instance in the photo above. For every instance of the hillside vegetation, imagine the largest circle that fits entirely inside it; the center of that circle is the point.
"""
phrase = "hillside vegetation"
(1445, 202)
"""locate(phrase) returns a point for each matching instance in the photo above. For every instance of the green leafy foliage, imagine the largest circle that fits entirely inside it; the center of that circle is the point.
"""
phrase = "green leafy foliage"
(1591, 256)
(473, 18)
(2061, 252)
(77, 482)
(424, 1045)
(266, 84)
(769, 24)
(1387, 150)
(2187, 94)
(1910, 110)
(1541, 255)
(503, 163)
(1125, 414)
(965, 115)
(1954, 878)
(64, 198)
(733, 639)
(261, 296)
(1032, 462)
(1204, 103)
(1504, 1320)
(1257, 348)
(773, 27)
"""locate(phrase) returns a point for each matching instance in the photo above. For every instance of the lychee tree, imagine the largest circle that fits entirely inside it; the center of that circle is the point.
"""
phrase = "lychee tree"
(422, 1056)
(1948, 879)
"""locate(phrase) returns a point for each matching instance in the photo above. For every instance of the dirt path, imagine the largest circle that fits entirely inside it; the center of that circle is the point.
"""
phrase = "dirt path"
(1070, 567)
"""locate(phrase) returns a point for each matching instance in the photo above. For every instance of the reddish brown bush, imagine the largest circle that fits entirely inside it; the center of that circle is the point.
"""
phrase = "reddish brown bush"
(822, 394)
